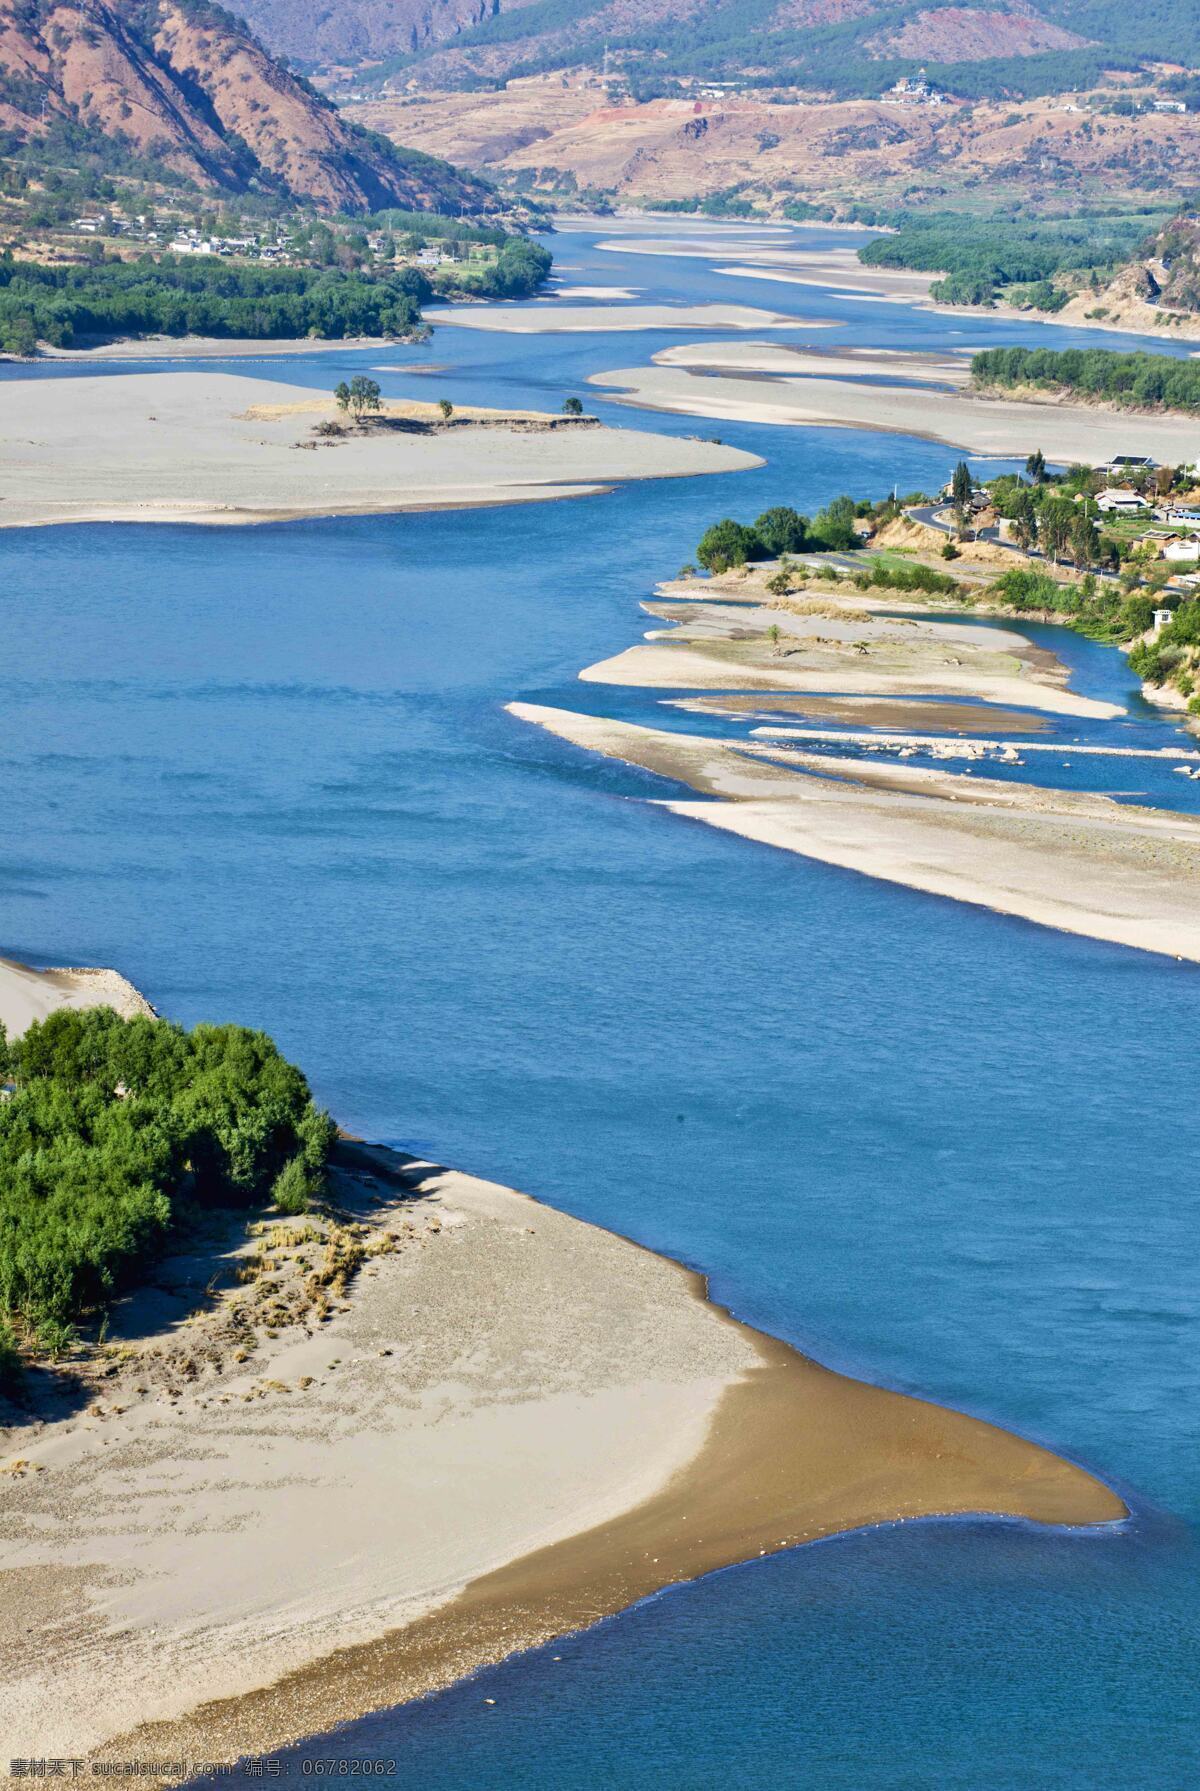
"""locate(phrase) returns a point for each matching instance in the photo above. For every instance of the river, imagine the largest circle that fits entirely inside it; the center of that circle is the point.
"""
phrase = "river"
(267, 774)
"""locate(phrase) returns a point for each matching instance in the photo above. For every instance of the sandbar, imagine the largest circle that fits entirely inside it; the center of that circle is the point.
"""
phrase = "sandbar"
(277, 1498)
(874, 712)
(839, 645)
(611, 293)
(187, 447)
(1082, 863)
(550, 319)
(913, 366)
(974, 424)
(839, 269)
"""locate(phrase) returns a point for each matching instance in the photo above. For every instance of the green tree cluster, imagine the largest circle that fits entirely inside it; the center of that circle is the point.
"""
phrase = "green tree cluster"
(111, 1123)
(783, 530)
(201, 295)
(1135, 380)
(519, 269)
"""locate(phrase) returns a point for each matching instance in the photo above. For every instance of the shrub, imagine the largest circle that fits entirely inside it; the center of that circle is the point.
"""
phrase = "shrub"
(293, 1188)
(10, 1358)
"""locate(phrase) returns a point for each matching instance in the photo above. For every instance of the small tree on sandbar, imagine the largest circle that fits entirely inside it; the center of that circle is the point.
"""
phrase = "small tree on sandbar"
(573, 407)
(360, 396)
(446, 408)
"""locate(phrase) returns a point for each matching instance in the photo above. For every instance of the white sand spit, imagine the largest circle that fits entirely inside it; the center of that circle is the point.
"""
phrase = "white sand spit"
(1084, 864)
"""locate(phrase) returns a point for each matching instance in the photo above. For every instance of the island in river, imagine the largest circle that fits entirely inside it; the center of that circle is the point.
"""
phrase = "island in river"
(511, 1424)
(210, 447)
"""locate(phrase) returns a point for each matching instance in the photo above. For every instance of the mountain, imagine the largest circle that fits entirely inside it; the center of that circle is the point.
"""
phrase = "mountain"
(317, 31)
(182, 86)
(841, 46)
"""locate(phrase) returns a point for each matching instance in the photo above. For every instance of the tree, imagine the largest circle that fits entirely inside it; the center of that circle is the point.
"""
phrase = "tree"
(782, 530)
(361, 395)
(1083, 540)
(834, 526)
(728, 543)
(18, 336)
(961, 486)
(1024, 520)
(446, 408)
(573, 407)
(1035, 466)
(1056, 522)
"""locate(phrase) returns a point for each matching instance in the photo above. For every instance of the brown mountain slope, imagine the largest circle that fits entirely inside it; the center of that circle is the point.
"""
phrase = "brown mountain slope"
(183, 84)
(974, 34)
(547, 137)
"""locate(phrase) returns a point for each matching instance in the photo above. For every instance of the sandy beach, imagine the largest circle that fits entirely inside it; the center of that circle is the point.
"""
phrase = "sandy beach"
(512, 1424)
(691, 382)
(1082, 863)
(837, 644)
(550, 319)
(189, 447)
(27, 995)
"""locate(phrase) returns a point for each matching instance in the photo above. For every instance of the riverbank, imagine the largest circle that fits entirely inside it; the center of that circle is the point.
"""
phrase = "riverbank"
(209, 447)
(510, 1424)
(195, 348)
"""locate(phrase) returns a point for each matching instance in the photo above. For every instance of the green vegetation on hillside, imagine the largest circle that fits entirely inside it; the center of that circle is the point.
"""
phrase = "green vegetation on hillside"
(1173, 656)
(1100, 609)
(979, 256)
(112, 1125)
(1135, 380)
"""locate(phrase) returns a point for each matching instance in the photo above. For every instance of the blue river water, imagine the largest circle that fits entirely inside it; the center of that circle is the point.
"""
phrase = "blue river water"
(268, 774)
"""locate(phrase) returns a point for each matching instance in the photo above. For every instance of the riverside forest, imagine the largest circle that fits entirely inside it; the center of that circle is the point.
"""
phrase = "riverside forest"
(207, 295)
(1135, 381)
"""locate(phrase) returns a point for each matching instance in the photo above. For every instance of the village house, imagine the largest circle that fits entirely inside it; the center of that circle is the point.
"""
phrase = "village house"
(1122, 503)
